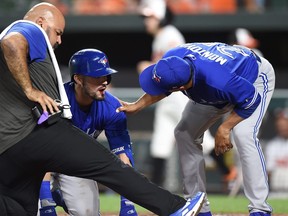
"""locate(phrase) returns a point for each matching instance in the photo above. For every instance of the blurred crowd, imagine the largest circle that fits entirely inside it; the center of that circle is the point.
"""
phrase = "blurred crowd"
(276, 153)
(101, 7)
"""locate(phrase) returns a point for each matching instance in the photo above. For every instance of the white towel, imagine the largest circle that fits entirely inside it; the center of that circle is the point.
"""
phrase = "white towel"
(66, 112)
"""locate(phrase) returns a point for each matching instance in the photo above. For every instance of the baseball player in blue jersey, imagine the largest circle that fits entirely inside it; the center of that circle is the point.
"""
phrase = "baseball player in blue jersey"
(219, 79)
(93, 110)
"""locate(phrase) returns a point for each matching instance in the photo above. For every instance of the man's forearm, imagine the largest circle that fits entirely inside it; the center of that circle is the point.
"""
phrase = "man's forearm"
(15, 49)
(232, 120)
(147, 100)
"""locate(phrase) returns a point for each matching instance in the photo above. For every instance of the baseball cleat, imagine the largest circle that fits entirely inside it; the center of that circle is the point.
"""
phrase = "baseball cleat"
(192, 206)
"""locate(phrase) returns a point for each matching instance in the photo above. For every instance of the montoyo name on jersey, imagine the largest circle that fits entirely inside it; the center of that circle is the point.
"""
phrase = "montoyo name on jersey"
(205, 53)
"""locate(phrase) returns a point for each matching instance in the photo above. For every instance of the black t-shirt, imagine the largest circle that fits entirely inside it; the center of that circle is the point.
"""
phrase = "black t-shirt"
(17, 120)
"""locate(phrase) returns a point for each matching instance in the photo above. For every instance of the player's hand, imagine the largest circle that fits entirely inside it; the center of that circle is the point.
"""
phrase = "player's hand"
(123, 157)
(144, 101)
(128, 107)
(44, 100)
(222, 141)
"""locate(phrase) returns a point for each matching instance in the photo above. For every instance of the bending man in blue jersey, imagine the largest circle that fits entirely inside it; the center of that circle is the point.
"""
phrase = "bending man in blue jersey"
(93, 110)
(218, 79)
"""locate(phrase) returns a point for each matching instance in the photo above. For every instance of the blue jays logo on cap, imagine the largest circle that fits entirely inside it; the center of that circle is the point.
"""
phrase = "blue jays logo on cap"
(103, 61)
(155, 76)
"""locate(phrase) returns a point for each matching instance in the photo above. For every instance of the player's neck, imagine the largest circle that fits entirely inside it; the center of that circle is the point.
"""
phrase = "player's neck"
(83, 100)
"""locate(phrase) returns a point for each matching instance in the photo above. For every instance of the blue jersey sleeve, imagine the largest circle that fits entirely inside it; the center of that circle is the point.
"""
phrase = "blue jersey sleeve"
(35, 39)
(116, 127)
(243, 95)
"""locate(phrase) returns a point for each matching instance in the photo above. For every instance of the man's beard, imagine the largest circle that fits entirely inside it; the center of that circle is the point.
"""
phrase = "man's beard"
(55, 45)
(99, 98)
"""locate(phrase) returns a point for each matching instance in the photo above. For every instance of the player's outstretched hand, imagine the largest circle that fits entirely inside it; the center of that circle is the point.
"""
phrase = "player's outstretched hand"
(128, 107)
(222, 141)
(144, 101)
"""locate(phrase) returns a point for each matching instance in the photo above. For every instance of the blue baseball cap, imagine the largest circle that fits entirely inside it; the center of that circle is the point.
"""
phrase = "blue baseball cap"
(167, 74)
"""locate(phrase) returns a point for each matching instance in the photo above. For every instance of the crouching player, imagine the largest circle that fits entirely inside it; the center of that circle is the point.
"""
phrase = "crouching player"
(93, 110)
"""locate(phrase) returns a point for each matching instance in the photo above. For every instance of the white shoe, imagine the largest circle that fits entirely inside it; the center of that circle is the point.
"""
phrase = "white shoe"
(192, 206)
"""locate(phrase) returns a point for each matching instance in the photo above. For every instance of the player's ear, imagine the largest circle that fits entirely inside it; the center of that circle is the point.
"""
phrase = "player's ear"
(40, 21)
(77, 79)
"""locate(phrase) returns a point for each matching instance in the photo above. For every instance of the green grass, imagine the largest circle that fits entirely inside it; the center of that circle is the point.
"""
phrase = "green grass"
(218, 203)
(225, 204)
(111, 203)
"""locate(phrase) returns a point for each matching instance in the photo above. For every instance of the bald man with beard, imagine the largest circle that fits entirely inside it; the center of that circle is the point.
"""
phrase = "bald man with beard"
(36, 135)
